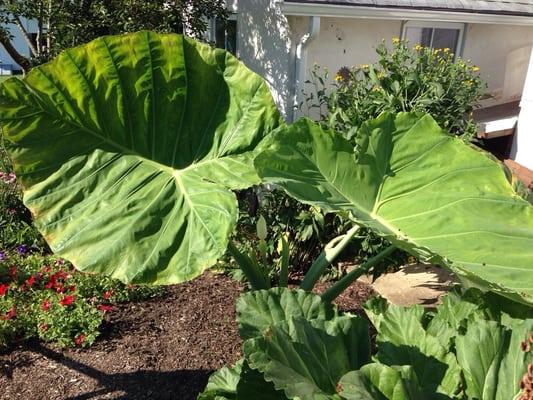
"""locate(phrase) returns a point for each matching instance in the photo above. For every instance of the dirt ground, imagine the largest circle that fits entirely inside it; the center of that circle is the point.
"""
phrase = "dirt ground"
(157, 349)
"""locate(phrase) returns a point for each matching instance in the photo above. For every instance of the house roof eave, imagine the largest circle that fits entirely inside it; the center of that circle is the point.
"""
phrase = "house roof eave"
(396, 13)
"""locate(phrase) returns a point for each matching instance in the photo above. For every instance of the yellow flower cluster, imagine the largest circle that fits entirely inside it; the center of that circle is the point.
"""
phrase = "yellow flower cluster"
(338, 78)
(475, 68)
(395, 40)
(364, 66)
(418, 47)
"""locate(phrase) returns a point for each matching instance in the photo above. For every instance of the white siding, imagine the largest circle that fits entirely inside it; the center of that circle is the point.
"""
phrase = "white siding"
(264, 45)
(488, 47)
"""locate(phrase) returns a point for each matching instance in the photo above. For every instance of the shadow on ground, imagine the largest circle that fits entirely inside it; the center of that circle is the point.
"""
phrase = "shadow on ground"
(180, 384)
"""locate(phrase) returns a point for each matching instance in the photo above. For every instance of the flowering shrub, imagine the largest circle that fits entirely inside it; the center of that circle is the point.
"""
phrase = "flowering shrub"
(45, 297)
(404, 78)
(16, 228)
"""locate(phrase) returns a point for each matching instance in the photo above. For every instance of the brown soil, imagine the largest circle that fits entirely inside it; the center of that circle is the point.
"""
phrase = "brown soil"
(157, 349)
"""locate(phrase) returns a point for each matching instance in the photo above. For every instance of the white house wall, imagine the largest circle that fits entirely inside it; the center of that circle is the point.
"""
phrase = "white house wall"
(352, 41)
(264, 45)
(345, 41)
(489, 46)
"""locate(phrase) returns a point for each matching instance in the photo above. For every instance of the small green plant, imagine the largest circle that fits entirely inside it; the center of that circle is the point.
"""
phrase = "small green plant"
(404, 78)
(306, 228)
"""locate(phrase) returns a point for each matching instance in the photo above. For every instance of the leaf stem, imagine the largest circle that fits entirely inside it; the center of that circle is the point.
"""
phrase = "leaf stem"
(340, 286)
(327, 256)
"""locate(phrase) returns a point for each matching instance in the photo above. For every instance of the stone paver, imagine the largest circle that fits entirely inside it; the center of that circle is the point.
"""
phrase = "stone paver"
(413, 284)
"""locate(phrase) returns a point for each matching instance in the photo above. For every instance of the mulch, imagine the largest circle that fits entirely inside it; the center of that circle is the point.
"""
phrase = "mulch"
(162, 348)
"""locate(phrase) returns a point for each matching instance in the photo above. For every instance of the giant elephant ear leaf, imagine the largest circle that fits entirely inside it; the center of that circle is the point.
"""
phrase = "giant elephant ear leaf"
(426, 192)
(127, 149)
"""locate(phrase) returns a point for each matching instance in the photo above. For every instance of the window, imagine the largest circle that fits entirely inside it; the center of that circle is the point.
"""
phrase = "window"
(224, 34)
(436, 35)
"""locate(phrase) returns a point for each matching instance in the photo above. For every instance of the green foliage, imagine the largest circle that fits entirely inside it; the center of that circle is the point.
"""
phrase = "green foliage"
(306, 229)
(139, 148)
(45, 297)
(403, 79)
(316, 355)
(426, 192)
(64, 24)
(15, 220)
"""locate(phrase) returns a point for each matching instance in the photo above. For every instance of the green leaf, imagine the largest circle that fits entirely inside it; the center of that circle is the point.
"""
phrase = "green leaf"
(492, 359)
(425, 191)
(127, 149)
(258, 310)
(239, 383)
(380, 382)
(402, 340)
(222, 384)
(254, 386)
(261, 228)
(306, 359)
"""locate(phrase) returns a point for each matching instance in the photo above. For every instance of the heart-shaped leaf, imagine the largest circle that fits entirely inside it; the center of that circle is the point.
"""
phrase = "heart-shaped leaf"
(425, 191)
(127, 149)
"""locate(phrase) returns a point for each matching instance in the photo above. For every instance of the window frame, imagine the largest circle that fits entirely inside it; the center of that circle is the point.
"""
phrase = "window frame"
(461, 27)
(212, 31)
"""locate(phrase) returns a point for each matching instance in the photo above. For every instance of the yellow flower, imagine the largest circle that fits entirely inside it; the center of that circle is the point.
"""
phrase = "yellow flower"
(338, 78)
(363, 66)
(376, 88)
(395, 40)
(418, 47)
(446, 50)
(475, 68)
(436, 51)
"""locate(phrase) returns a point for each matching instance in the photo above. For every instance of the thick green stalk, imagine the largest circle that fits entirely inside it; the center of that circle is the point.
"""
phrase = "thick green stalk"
(328, 255)
(341, 285)
(251, 270)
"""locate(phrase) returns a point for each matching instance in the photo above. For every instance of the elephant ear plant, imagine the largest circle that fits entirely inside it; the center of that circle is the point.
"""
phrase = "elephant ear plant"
(128, 149)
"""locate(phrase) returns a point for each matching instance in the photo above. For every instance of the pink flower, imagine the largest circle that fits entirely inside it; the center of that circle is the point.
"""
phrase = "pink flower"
(3, 289)
(104, 308)
(46, 305)
(79, 339)
(12, 313)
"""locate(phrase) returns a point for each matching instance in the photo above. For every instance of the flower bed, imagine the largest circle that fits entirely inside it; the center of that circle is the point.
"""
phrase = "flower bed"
(43, 296)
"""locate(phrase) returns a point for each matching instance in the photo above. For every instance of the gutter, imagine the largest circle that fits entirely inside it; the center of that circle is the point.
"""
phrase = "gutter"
(347, 11)
(301, 61)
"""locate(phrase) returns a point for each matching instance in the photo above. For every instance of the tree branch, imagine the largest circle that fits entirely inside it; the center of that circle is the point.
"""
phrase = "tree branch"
(15, 55)
(18, 22)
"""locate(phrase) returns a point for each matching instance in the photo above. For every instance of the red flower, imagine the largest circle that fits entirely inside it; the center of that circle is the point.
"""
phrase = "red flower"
(30, 281)
(104, 308)
(66, 301)
(3, 289)
(107, 294)
(60, 288)
(43, 327)
(61, 275)
(12, 313)
(79, 339)
(72, 288)
(13, 271)
(46, 305)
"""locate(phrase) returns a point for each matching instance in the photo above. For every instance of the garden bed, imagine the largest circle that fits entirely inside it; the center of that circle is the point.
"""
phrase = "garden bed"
(157, 349)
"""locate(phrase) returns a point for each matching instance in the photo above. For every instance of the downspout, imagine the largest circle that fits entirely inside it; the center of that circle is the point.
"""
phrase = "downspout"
(300, 66)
